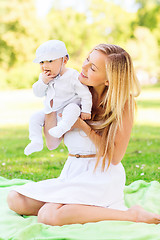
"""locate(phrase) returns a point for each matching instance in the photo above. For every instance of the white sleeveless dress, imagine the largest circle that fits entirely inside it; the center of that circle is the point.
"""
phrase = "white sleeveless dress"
(78, 183)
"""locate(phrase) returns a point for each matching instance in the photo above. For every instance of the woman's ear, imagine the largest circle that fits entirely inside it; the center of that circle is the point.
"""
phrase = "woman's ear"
(106, 83)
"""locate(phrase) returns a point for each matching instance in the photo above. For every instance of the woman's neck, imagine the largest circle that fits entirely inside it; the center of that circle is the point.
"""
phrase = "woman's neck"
(99, 90)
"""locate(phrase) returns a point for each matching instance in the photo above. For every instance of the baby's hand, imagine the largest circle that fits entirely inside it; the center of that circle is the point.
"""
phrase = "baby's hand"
(85, 116)
(47, 77)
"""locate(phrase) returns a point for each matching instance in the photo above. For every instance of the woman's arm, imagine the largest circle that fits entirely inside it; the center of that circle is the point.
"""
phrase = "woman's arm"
(51, 121)
(95, 138)
(123, 135)
(121, 139)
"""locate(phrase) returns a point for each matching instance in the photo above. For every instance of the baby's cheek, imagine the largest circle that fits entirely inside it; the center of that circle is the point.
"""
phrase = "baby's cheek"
(41, 68)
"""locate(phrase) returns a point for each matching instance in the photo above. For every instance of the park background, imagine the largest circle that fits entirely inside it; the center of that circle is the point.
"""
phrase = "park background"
(24, 25)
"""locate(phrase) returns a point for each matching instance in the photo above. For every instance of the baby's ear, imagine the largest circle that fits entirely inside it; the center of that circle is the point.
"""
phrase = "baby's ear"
(65, 59)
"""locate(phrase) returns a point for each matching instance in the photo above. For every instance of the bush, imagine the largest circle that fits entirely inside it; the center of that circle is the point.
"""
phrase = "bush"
(20, 77)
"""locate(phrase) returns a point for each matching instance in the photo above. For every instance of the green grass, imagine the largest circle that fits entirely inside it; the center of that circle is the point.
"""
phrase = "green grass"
(38, 166)
(148, 104)
(143, 154)
(151, 87)
(141, 161)
(143, 151)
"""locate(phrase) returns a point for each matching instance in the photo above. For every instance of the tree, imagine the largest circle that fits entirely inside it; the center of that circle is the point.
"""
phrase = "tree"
(111, 21)
(102, 22)
(143, 49)
(71, 27)
(148, 17)
(19, 31)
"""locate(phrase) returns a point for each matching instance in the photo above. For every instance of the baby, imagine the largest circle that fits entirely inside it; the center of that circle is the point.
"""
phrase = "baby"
(63, 92)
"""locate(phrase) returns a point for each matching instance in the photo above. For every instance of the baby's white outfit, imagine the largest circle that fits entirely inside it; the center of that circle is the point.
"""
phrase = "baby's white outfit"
(70, 97)
(78, 183)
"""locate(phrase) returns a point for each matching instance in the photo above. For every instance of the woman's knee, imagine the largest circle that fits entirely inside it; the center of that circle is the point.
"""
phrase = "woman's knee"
(22, 204)
(13, 199)
(65, 215)
(50, 214)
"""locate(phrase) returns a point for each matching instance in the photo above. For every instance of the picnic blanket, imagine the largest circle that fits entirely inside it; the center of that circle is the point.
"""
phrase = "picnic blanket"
(16, 227)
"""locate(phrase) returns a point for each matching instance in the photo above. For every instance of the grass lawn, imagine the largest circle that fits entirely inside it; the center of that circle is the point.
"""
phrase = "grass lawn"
(38, 166)
(141, 161)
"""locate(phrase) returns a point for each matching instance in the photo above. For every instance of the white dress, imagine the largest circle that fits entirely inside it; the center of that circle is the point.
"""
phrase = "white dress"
(78, 183)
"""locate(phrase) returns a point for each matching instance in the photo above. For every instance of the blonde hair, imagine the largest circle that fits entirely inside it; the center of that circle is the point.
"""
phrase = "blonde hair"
(123, 87)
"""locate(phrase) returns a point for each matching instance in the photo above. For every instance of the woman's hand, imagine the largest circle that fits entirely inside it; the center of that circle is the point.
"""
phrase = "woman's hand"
(85, 116)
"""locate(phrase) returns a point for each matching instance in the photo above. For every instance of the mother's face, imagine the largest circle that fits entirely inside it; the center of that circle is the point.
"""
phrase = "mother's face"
(94, 70)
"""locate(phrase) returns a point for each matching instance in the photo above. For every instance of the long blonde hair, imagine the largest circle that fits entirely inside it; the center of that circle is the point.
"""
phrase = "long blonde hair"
(123, 87)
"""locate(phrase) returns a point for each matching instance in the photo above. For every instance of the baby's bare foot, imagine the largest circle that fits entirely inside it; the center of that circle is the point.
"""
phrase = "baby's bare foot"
(141, 215)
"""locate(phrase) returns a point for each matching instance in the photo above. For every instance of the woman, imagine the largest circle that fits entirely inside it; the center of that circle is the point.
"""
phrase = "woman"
(90, 187)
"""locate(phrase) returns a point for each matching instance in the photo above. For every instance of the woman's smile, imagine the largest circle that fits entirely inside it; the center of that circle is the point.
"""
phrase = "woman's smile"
(83, 75)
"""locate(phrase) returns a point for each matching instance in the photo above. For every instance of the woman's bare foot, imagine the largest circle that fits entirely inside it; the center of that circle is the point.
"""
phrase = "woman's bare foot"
(141, 215)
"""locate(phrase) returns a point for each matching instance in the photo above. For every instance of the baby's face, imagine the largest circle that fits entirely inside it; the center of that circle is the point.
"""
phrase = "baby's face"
(52, 66)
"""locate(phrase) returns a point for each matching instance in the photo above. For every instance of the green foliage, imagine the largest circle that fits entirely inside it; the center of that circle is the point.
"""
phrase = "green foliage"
(21, 32)
(73, 30)
(145, 57)
(148, 18)
(111, 21)
(16, 31)
(22, 76)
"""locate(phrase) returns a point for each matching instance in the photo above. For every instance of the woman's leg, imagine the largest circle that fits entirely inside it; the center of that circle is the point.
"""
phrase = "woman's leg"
(48, 213)
(73, 213)
(22, 204)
